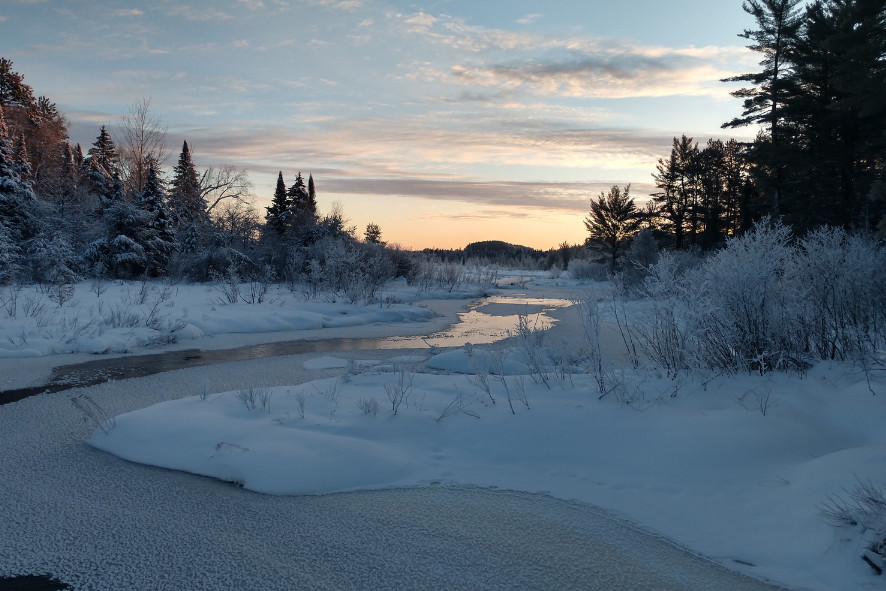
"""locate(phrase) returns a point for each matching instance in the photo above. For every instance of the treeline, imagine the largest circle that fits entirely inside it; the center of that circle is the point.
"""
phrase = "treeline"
(819, 157)
(114, 212)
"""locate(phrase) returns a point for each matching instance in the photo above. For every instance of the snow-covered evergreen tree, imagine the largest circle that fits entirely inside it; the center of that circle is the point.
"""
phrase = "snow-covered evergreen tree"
(158, 237)
(9, 256)
(21, 159)
(185, 199)
(119, 253)
(51, 259)
(17, 199)
(102, 164)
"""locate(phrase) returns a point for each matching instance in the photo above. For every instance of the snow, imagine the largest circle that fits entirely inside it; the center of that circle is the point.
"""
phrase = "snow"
(694, 460)
(692, 467)
(118, 317)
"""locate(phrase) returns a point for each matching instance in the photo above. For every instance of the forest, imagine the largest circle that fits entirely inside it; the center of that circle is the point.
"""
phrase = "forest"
(114, 210)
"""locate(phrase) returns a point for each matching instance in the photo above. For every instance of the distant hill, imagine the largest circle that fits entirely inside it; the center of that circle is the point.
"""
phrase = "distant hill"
(494, 249)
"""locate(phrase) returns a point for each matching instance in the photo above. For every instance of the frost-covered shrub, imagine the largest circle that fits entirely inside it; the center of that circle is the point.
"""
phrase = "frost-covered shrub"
(431, 272)
(585, 270)
(764, 302)
(749, 303)
(339, 267)
(844, 281)
(862, 507)
(210, 264)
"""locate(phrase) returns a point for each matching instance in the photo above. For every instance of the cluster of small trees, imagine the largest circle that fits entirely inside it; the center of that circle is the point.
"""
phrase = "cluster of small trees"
(113, 213)
(110, 212)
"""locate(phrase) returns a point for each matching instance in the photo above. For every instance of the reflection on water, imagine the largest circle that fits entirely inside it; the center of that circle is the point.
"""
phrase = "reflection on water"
(488, 321)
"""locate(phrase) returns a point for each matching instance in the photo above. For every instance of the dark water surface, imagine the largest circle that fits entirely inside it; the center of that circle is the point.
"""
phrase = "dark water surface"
(98, 371)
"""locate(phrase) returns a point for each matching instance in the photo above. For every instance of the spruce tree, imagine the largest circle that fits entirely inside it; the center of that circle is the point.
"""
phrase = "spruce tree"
(302, 206)
(311, 208)
(101, 164)
(276, 216)
(17, 199)
(297, 197)
(185, 198)
(158, 239)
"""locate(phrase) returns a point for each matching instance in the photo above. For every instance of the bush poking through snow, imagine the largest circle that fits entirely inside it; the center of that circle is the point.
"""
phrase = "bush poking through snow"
(93, 413)
(398, 392)
(253, 398)
(369, 406)
(605, 379)
(529, 338)
(458, 405)
(863, 507)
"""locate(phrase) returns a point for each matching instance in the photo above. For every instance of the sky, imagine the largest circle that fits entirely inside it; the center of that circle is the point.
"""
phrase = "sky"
(443, 121)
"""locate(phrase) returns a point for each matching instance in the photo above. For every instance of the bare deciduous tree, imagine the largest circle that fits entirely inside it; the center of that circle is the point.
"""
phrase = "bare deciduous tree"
(226, 182)
(143, 140)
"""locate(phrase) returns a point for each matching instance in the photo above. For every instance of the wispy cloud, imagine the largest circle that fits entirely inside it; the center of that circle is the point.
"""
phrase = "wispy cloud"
(578, 66)
(567, 197)
(340, 4)
(529, 19)
(197, 14)
(123, 12)
(608, 75)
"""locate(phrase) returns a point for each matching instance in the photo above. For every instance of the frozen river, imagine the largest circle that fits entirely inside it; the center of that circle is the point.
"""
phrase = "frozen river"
(97, 522)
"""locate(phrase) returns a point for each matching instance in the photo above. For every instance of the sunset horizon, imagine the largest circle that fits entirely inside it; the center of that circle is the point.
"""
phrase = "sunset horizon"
(444, 123)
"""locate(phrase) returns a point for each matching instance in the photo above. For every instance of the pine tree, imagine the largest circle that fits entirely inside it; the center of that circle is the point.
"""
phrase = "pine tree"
(311, 207)
(301, 205)
(677, 198)
(9, 255)
(613, 221)
(185, 197)
(779, 22)
(158, 239)
(17, 199)
(13, 90)
(372, 234)
(277, 212)
(102, 164)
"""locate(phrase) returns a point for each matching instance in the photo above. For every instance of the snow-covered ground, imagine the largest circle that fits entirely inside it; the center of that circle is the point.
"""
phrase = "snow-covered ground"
(697, 461)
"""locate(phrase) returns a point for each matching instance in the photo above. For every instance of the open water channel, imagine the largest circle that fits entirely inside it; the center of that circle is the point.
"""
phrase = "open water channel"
(487, 321)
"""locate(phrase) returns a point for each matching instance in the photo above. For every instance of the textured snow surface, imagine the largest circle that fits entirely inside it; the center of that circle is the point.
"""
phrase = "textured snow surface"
(127, 315)
(98, 522)
(705, 469)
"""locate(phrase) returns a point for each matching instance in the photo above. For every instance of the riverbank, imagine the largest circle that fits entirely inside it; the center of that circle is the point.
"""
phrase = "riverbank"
(99, 523)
